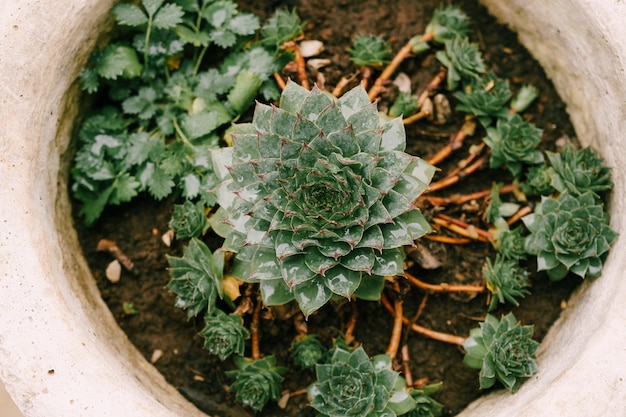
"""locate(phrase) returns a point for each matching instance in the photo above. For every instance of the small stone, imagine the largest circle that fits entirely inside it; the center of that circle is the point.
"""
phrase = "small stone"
(168, 237)
(442, 108)
(317, 63)
(114, 271)
(156, 355)
(403, 82)
(311, 48)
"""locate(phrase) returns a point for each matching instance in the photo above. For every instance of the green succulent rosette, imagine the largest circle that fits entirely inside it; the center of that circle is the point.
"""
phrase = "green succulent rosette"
(307, 351)
(503, 350)
(256, 382)
(463, 60)
(513, 142)
(448, 22)
(370, 51)
(505, 280)
(224, 334)
(578, 171)
(569, 234)
(485, 98)
(188, 220)
(316, 198)
(353, 385)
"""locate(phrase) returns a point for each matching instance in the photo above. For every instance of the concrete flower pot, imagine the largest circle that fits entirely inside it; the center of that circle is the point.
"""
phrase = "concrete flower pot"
(61, 352)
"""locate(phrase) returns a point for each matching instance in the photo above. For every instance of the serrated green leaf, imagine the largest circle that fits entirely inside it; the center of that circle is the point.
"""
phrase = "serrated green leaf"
(126, 187)
(89, 80)
(117, 60)
(195, 38)
(223, 38)
(244, 24)
(152, 6)
(129, 15)
(168, 16)
(160, 184)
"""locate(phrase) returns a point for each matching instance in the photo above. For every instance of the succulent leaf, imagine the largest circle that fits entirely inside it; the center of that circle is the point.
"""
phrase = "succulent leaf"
(503, 351)
(196, 278)
(352, 384)
(513, 142)
(425, 405)
(224, 334)
(570, 233)
(318, 193)
(538, 181)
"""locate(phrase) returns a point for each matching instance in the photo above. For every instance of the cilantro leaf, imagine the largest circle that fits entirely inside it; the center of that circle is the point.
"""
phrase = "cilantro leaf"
(117, 60)
(125, 188)
(89, 80)
(129, 15)
(159, 183)
(168, 16)
(244, 24)
(143, 104)
(151, 6)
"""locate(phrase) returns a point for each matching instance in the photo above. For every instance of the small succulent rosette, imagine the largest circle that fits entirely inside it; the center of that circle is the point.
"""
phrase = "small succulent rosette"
(317, 198)
(353, 385)
(569, 234)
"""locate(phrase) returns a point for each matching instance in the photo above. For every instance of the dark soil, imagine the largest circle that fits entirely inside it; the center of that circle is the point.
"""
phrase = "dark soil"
(137, 229)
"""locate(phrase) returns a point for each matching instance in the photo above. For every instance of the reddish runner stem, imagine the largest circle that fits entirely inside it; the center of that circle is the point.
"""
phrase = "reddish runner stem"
(396, 332)
(518, 216)
(447, 239)
(448, 181)
(467, 129)
(254, 331)
(443, 287)
(279, 81)
(462, 228)
(442, 337)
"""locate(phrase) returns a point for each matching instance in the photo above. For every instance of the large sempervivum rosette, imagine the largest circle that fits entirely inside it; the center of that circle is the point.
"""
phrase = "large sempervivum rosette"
(317, 198)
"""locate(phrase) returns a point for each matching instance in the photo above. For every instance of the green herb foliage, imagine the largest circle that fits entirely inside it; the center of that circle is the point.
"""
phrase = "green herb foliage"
(166, 102)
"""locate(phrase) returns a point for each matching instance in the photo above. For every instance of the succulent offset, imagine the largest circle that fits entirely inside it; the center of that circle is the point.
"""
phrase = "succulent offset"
(369, 51)
(463, 60)
(505, 280)
(503, 350)
(513, 142)
(224, 334)
(317, 198)
(485, 98)
(256, 382)
(353, 385)
(578, 171)
(188, 220)
(569, 234)
(307, 350)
